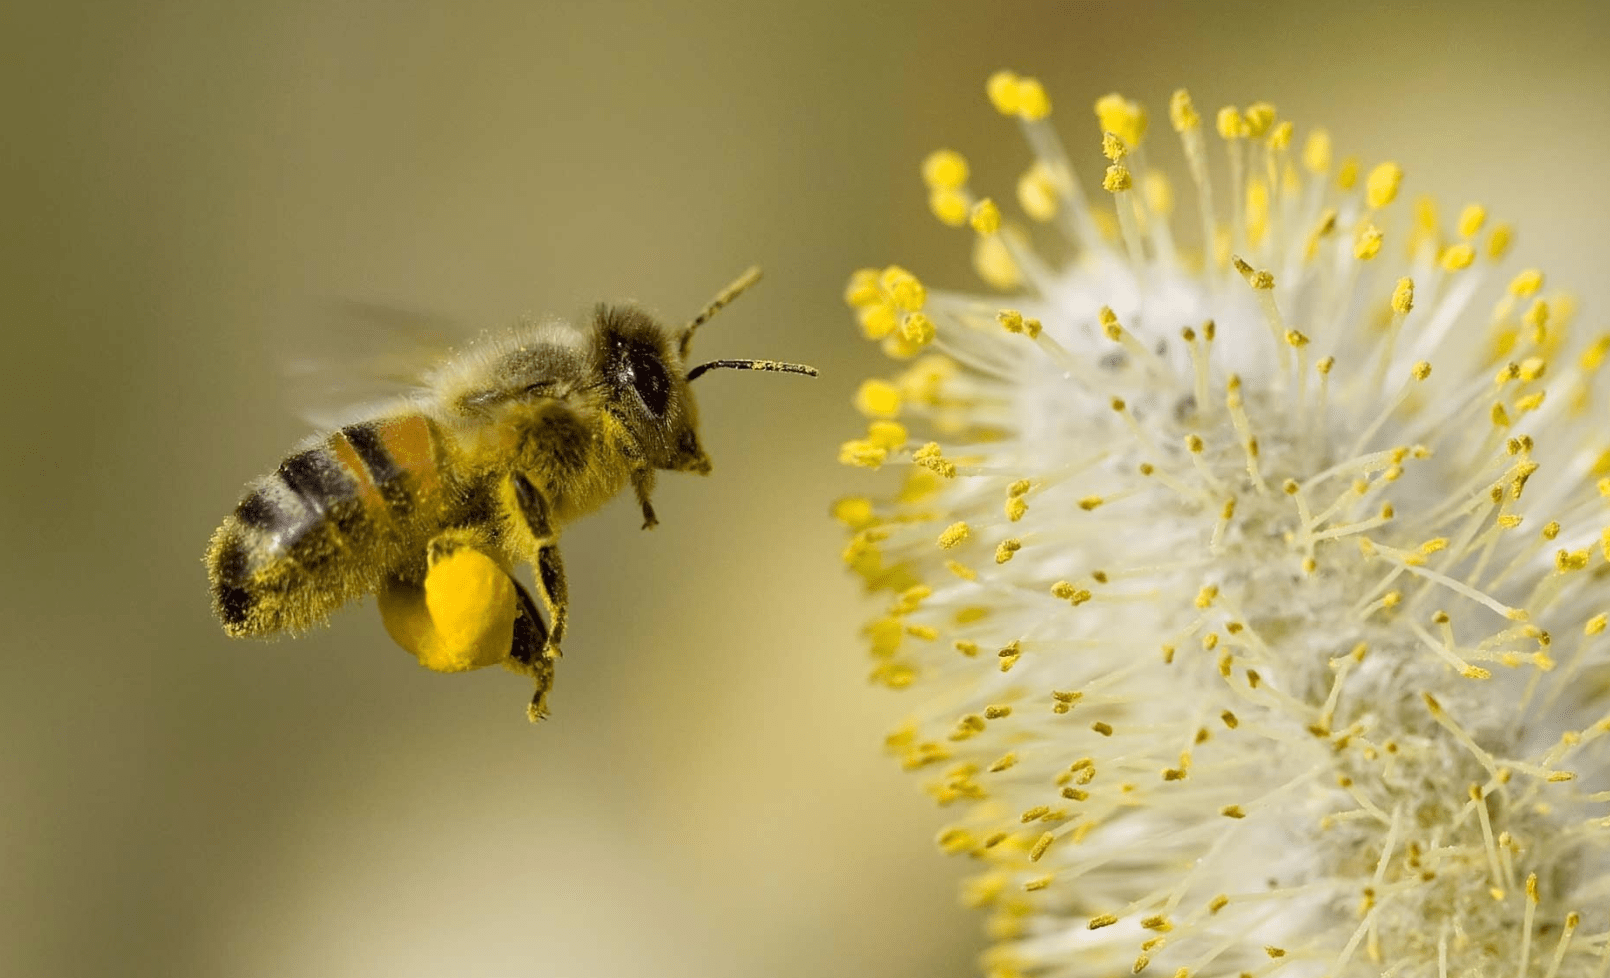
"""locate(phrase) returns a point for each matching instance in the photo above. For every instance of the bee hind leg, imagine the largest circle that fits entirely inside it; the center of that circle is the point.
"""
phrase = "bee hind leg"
(528, 652)
(531, 512)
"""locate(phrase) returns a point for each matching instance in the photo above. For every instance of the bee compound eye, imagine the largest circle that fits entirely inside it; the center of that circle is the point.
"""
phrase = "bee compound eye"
(649, 378)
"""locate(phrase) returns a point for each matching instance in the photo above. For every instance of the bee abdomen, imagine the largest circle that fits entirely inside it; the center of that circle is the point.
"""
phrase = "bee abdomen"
(324, 528)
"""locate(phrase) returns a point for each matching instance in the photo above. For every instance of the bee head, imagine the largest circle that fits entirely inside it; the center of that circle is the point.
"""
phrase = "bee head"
(646, 368)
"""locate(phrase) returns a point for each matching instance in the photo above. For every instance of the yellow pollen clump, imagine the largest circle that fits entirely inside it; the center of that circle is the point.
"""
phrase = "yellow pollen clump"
(1117, 179)
(945, 169)
(1471, 220)
(1382, 186)
(1403, 295)
(1007, 549)
(1015, 95)
(930, 457)
(953, 535)
(878, 399)
(1112, 147)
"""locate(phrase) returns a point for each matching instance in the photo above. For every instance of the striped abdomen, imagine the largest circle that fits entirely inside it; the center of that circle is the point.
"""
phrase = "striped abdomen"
(330, 524)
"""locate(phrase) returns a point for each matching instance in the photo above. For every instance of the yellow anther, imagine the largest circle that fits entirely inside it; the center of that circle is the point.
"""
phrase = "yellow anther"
(1296, 339)
(1532, 368)
(854, 512)
(1420, 371)
(1194, 443)
(1011, 320)
(888, 435)
(1259, 117)
(1233, 811)
(994, 263)
(1007, 549)
(1347, 174)
(1316, 152)
(1471, 220)
(1109, 323)
(1323, 367)
(953, 535)
(986, 217)
(1089, 503)
(878, 399)
(1100, 727)
(1403, 295)
(1230, 123)
(1280, 136)
(950, 206)
(1182, 114)
(879, 320)
(1527, 283)
(1537, 316)
(996, 713)
(1257, 209)
(903, 289)
(1499, 241)
(918, 329)
(1382, 186)
(945, 169)
(1122, 118)
(1040, 846)
(1368, 243)
(1206, 596)
(1032, 101)
(1112, 147)
(1117, 179)
(1037, 192)
(1159, 193)
(1003, 92)
(1016, 507)
(1596, 625)
(1004, 763)
(863, 289)
(862, 453)
(1456, 257)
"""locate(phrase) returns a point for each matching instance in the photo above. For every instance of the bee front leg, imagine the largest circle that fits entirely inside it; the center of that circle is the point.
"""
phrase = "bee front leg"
(643, 484)
(528, 652)
(531, 509)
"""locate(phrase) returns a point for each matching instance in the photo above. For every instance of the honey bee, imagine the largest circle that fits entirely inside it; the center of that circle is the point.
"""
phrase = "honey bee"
(502, 447)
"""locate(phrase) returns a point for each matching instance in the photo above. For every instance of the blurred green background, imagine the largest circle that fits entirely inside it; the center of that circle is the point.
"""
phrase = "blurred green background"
(187, 189)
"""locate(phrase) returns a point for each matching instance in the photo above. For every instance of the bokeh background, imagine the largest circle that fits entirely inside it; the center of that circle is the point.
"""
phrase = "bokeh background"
(188, 190)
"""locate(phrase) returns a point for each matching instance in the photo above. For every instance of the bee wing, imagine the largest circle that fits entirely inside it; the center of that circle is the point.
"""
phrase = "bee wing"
(368, 354)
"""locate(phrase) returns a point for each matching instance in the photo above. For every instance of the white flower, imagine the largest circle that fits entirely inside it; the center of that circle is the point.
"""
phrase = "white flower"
(1250, 611)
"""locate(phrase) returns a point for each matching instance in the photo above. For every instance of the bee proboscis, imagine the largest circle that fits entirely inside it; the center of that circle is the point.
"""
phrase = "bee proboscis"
(504, 445)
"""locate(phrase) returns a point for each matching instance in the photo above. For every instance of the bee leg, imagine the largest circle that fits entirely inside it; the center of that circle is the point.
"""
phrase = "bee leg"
(643, 484)
(532, 509)
(526, 652)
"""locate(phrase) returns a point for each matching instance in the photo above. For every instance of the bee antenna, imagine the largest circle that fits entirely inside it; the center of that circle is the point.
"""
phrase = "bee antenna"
(776, 366)
(726, 295)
